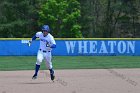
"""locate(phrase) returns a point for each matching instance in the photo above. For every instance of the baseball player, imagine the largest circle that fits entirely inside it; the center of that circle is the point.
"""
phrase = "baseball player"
(47, 42)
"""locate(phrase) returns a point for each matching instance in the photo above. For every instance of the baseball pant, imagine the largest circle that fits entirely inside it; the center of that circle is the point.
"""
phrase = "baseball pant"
(44, 55)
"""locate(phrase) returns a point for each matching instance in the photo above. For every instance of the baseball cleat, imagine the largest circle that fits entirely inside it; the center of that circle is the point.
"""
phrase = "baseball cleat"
(34, 77)
(52, 77)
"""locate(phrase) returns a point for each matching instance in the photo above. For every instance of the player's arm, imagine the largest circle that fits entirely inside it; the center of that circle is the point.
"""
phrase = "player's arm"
(34, 38)
(53, 44)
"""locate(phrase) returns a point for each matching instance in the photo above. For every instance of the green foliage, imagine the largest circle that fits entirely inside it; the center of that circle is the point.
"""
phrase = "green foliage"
(15, 19)
(70, 18)
(62, 16)
(110, 18)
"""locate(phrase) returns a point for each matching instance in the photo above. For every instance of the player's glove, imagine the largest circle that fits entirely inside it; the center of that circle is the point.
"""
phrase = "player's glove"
(29, 43)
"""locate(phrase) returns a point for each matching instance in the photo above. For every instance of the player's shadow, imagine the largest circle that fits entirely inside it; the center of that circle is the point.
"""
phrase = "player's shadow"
(28, 83)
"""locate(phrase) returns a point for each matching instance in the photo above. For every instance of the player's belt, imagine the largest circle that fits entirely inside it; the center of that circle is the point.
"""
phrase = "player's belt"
(44, 51)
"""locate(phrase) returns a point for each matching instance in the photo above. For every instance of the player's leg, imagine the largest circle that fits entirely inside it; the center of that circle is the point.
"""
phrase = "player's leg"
(49, 64)
(38, 63)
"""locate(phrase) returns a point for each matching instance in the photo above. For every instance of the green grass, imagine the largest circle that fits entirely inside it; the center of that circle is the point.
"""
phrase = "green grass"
(70, 62)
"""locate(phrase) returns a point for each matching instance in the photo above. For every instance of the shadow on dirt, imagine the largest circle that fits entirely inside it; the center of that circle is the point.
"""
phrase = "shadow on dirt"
(36, 83)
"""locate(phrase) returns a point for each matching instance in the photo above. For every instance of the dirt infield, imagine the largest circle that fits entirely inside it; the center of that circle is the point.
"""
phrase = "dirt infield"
(72, 81)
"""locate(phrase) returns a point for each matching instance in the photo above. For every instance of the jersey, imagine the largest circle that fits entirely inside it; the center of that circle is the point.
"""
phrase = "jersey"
(45, 42)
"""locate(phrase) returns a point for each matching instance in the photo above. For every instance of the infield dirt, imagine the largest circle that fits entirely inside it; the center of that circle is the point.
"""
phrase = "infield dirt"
(72, 81)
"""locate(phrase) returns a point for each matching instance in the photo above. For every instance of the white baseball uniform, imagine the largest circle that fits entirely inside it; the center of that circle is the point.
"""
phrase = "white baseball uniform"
(44, 49)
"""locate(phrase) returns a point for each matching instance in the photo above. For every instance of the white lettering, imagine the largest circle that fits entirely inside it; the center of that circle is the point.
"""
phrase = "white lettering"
(103, 48)
(111, 44)
(70, 45)
(131, 46)
(121, 47)
(84, 47)
(93, 46)
(24, 41)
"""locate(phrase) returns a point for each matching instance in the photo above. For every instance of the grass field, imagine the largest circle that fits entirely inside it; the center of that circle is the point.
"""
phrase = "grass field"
(9, 63)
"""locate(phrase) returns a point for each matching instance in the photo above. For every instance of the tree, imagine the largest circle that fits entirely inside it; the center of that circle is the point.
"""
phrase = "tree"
(124, 17)
(70, 18)
(16, 18)
(62, 16)
(110, 18)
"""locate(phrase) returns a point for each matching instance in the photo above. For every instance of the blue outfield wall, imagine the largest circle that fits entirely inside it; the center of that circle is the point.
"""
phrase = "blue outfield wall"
(74, 47)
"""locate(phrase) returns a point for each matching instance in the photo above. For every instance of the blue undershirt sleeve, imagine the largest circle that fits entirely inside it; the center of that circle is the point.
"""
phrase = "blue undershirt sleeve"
(34, 37)
(53, 46)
